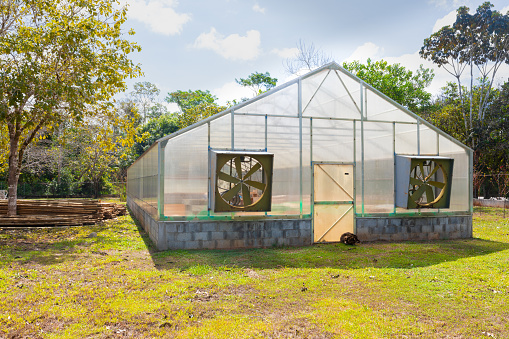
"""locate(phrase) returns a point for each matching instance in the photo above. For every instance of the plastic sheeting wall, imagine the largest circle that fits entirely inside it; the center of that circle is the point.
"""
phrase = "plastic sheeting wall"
(333, 118)
(142, 181)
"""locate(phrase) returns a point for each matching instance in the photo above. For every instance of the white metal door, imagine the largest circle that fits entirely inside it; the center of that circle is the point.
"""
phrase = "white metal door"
(333, 202)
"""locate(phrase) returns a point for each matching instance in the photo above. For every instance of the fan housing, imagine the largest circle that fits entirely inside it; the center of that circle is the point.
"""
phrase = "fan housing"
(242, 181)
(423, 181)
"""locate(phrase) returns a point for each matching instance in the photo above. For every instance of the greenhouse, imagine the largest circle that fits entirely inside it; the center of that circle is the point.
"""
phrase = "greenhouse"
(303, 163)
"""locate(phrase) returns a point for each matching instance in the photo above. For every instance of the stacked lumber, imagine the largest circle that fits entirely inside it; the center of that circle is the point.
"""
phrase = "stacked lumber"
(61, 212)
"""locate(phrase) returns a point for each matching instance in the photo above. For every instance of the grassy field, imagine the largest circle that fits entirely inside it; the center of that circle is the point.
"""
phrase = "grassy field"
(106, 281)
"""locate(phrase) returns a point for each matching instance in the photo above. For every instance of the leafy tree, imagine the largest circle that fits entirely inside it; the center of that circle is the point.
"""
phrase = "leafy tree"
(258, 82)
(480, 40)
(194, 106)
(154, 129)
(58, 59)
(395, 81)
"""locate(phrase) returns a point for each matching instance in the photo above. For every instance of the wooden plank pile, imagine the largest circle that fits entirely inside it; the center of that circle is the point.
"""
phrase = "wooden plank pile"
(61, 212)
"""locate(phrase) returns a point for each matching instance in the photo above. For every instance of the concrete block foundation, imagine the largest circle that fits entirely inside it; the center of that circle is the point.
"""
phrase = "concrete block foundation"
(223, 234)
(414, 228)
(292, 232)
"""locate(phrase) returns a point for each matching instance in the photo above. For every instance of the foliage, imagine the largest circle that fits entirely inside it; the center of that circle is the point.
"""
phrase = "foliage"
(194, 106)
(106, 280)
(480, 40)
(258, 82)
(395, 81)
(154, 129)
(57, 60)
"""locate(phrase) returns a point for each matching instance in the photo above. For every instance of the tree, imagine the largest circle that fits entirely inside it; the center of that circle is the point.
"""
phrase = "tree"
(58, 60)
(194, 106)
(145, 95)
(154, 129)
(480, 40)
(258, 82)
(395, 81)
(308, 58)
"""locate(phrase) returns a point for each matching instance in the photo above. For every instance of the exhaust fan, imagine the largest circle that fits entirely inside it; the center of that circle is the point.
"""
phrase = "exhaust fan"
(242, 181)
(423, 181)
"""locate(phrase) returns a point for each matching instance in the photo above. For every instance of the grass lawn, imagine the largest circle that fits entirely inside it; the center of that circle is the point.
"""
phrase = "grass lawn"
(106, 281)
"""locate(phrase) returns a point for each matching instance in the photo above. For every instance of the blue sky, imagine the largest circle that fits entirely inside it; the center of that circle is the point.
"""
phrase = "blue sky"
(207, 44)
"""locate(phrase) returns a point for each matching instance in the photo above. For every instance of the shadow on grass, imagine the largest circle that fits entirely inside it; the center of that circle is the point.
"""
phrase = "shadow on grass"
(389, 255)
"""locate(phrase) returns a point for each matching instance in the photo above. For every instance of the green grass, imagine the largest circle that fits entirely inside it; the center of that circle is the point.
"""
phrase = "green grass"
(106, 281)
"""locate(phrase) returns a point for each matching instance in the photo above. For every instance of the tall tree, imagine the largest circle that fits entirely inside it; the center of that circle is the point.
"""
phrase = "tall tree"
(480, 41)
(57, 59)
(145, 95)
(194, 106)
(258, 82)
(403, 86)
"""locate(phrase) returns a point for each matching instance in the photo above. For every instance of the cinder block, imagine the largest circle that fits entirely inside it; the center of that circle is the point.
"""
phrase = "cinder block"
(170, 227)
(209, 227)
(223, 244)
(238, 243)
(217, 235)
(291, 234)
(176, 245)
(183, 237)
(427, 229)
(208, 244)
(234, 235)
(438, 228)
(268, 242)
(201, 236)
(192, 227)
(288, 225)
(192, 245)
(433, 236)
(394, 222)
(389, 229)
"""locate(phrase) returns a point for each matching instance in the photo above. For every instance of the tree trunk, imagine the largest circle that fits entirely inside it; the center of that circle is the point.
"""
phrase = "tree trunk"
(12, 180)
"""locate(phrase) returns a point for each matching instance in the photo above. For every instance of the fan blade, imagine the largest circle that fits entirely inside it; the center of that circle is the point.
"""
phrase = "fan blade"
(433, 172)
(430, 196)
(227, 177)
(437, 184)
(246, 195)
(252, 171)
(417, 194)
(255, 184)
(238, 166)
(228, 195)
(421, 166)
(416, 182)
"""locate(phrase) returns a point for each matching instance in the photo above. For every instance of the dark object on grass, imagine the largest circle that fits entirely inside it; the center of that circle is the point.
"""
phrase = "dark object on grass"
(349, 238)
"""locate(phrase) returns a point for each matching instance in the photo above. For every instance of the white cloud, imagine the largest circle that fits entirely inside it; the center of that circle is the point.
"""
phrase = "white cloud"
(231, 91)
(286, 52)
(159, 15)
(234, 46)
(368, 50)
(258, 9)
(449, 3)
(504, 10)
(447, 20)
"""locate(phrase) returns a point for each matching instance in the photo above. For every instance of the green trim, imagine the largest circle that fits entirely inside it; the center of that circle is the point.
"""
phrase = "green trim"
(412, 214)
(234, 218)
(333, 202)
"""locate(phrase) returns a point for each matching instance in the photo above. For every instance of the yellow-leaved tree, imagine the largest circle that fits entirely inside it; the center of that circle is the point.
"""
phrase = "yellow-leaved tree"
(60, 60)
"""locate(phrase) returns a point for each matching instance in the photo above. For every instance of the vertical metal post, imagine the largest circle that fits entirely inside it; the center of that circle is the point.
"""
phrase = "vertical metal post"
(312, 200)
(160, 180)
(232, 129)
(394, 162)
(438, 143)
(418, 138)
(300, 142)
(209, 173)
(362, 145)
(354, 177)
(266, 146)
(471, 182)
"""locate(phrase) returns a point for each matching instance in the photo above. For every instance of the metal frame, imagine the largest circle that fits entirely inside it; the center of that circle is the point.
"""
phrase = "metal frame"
(340, 73)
